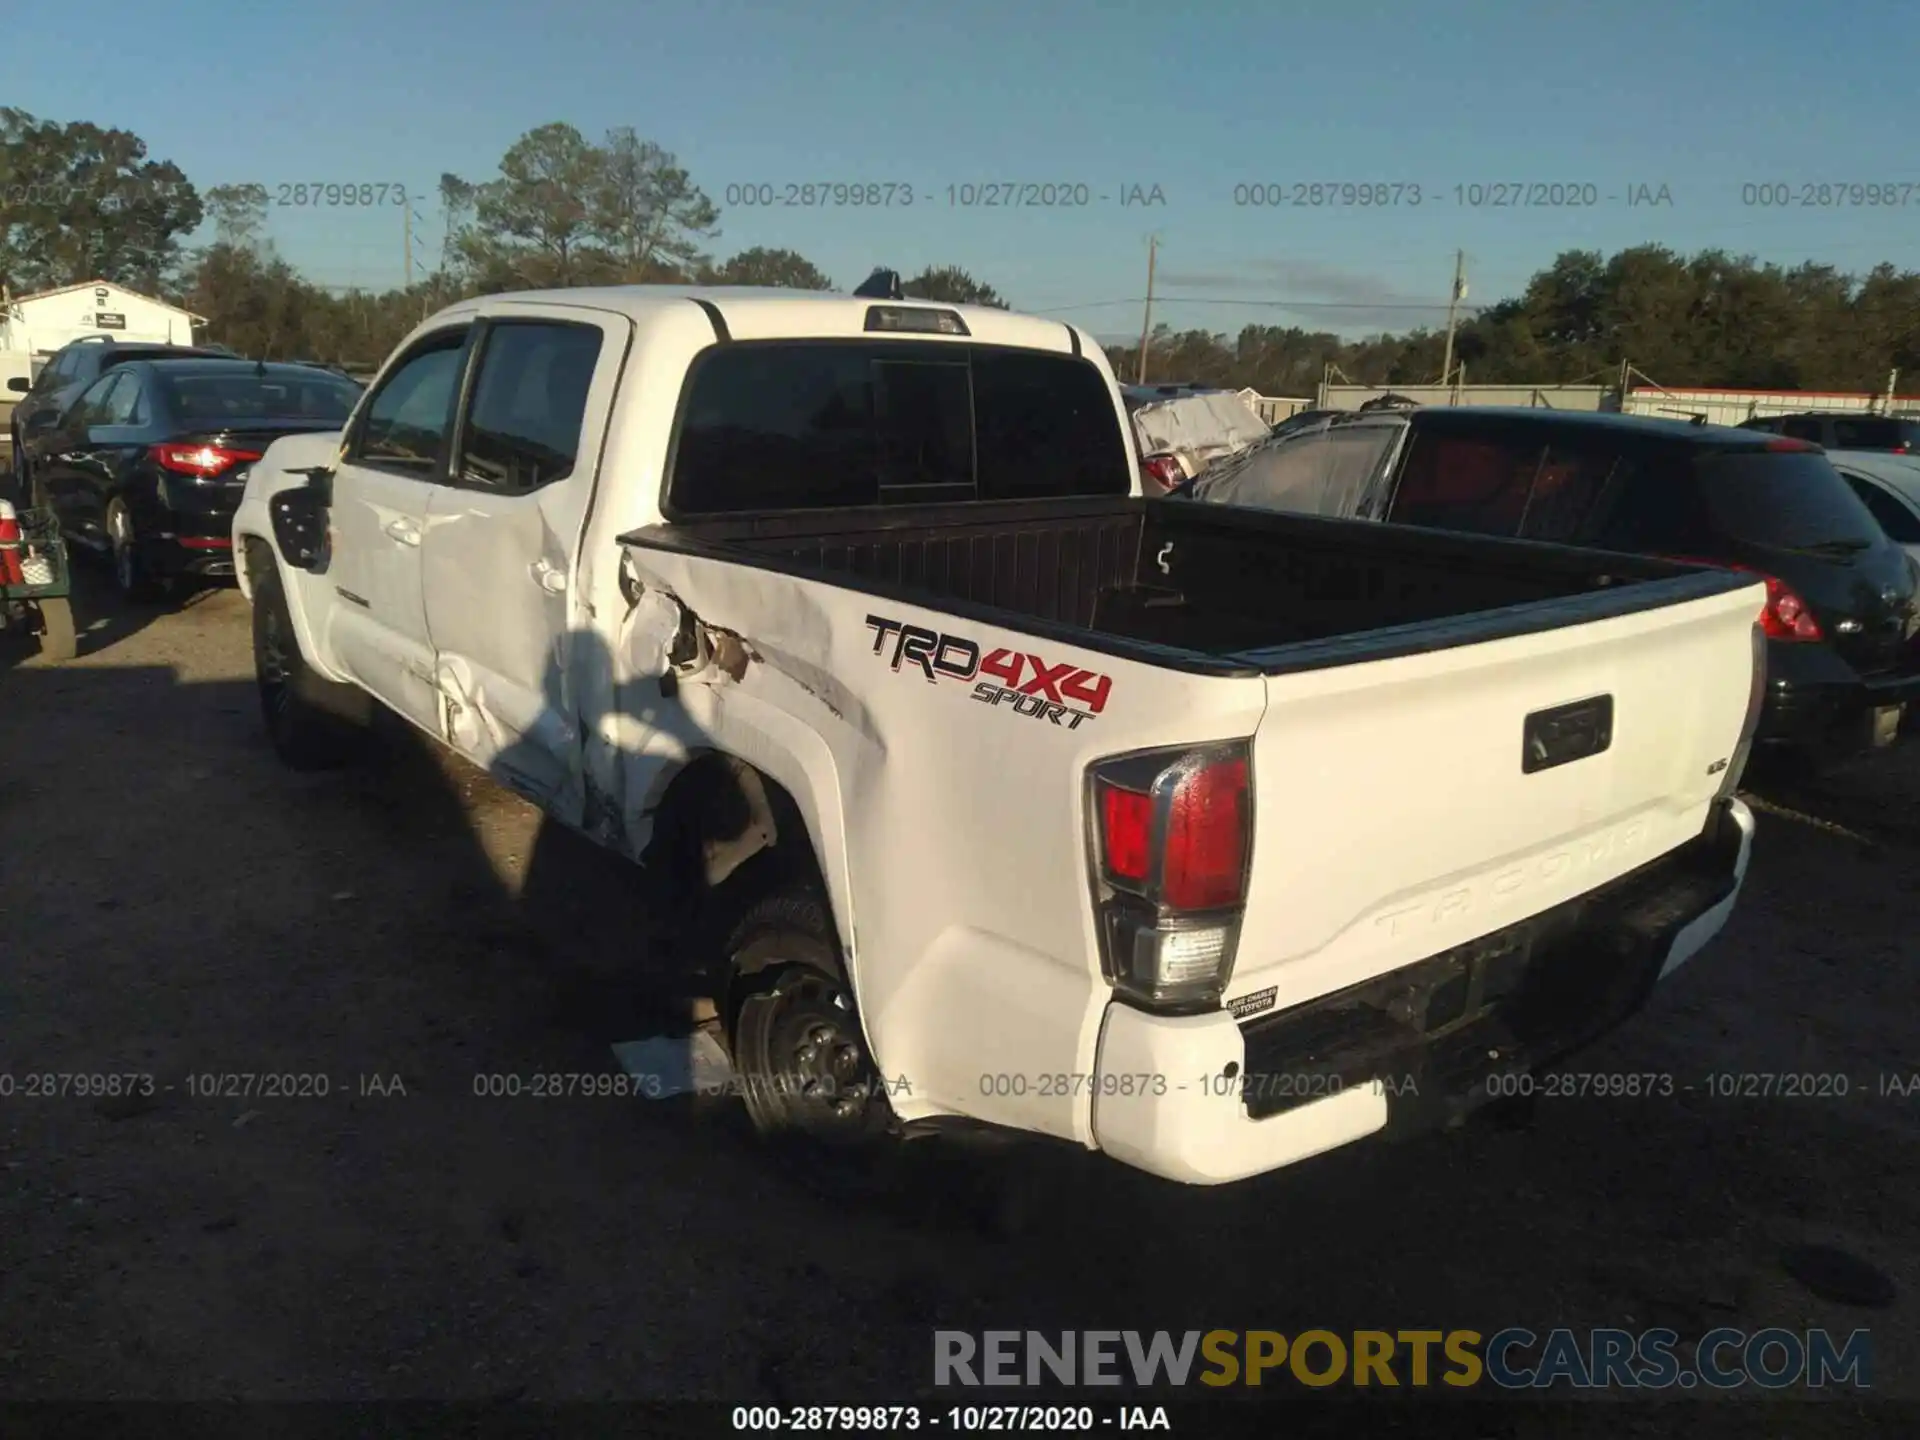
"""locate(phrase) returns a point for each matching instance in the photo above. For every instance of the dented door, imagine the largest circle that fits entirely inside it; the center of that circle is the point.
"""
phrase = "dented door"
(510, 635)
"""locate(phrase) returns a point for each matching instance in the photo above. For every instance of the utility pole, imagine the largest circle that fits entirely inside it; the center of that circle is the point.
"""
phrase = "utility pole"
(1453, 310)
(1146, 321)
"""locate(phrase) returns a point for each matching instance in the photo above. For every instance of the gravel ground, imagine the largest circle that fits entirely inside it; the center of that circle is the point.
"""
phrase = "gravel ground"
(175, 904)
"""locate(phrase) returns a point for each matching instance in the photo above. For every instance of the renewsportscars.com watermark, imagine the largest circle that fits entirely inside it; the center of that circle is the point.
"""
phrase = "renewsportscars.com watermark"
(1510, 1359)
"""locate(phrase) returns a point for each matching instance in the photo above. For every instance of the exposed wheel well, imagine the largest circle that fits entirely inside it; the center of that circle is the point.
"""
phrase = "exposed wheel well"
(256, 557)
(726, 836)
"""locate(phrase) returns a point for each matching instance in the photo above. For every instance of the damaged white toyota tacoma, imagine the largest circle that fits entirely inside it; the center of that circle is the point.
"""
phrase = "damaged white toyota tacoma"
(989, 791)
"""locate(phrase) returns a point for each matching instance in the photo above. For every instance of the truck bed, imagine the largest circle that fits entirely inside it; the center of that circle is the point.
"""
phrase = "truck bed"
(1207, 587)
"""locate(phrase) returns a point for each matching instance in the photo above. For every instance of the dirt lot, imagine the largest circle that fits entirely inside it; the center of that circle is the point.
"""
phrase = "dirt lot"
(174, 903)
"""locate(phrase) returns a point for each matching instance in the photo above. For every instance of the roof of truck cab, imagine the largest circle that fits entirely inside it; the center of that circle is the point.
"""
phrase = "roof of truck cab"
(1643, 427)
(767, 312)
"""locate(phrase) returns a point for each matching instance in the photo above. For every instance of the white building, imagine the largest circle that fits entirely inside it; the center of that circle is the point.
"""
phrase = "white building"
(40, 324)
(1730, 407)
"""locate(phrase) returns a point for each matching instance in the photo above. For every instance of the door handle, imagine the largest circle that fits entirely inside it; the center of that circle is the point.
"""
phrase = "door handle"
(553, 581)
(405, 531)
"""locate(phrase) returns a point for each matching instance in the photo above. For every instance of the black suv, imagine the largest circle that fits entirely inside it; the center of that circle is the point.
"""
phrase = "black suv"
(1840, 430)
(1843, 611)
(74, 367)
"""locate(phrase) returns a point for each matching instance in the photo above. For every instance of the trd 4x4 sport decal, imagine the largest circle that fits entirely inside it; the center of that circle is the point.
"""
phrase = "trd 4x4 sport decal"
(1063, 694)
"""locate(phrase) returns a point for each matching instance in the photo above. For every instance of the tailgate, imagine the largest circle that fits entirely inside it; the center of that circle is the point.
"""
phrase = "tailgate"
(1397, 813)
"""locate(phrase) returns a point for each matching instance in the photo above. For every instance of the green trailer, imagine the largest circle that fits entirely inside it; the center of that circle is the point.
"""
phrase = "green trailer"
(35, 583)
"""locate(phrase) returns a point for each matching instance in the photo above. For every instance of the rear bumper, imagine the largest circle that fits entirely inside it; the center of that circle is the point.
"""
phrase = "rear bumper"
(191, 543)
(1214, 1100)
(1817, 703)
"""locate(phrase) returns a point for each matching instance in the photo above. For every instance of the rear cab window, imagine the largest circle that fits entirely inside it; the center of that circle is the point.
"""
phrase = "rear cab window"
(812, 424)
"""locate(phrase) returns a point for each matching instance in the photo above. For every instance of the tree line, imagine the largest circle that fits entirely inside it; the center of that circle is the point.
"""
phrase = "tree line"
(79, 201)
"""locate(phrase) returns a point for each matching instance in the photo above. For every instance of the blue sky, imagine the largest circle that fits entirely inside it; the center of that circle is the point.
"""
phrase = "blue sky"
(1197, 99)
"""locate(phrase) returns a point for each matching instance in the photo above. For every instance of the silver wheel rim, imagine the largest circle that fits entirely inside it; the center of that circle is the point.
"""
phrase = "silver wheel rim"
(120, 533)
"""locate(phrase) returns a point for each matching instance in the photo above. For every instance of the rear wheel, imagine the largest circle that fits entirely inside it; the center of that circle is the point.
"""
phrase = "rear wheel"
(798, 1046)
(306, 733)
(57, 638)
(130, 573)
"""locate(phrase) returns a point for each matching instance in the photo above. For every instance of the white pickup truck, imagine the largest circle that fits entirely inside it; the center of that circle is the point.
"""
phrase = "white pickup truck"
(994, 792)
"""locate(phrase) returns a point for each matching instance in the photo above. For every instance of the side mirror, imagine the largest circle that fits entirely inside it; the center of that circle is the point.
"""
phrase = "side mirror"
(19, 384)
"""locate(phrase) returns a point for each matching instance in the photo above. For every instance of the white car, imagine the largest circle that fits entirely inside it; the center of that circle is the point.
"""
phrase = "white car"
(1889, 486)
(1183, 429)
(992, 792)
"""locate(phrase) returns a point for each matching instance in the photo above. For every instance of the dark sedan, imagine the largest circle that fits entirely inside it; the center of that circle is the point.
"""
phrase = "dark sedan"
(150, 462)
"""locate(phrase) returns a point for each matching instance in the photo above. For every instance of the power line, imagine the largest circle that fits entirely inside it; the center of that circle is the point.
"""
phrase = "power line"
(1279, 304)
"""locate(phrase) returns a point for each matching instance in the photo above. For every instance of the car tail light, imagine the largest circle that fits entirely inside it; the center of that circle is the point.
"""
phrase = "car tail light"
(1791, 445)
(1902, 448)
(1786, 616)
(1163, 470)
(1171, 837)
(10, 538)
(203, 462)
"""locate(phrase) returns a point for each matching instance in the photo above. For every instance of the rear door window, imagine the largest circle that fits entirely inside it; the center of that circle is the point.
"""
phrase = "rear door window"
(1569, 484)
(1802, 430)
(122, 400)
(1467, 483)
(1786, 500)
(529, 403)
(1651, 506)
(822, 424)
(91, 408)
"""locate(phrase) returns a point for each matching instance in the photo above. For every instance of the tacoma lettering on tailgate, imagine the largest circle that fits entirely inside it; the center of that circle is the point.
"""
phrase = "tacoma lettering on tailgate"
(1063, 694)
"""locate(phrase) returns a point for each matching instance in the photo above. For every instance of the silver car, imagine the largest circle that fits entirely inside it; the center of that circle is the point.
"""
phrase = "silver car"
(1889, 486)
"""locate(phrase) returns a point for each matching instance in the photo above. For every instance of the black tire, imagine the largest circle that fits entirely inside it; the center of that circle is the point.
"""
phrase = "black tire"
(130, 574)
(57, 639)
(308, 717)
(799, 1052)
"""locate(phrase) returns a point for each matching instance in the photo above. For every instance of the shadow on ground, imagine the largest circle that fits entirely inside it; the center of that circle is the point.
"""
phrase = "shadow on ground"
(331, 978)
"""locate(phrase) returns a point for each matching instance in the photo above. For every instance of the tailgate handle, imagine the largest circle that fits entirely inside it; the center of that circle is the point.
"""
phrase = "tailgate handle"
(1566, 733)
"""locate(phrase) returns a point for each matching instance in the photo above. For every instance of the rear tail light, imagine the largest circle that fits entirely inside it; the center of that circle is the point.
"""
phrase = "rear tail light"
(1783, 444)
(10, 539)
(1172, 837)
(203, 462)
(1786, 616)
(1163, 470)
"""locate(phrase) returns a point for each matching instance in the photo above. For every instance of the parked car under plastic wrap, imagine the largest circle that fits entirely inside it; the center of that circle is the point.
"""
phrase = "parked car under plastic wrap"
(1338, 470)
